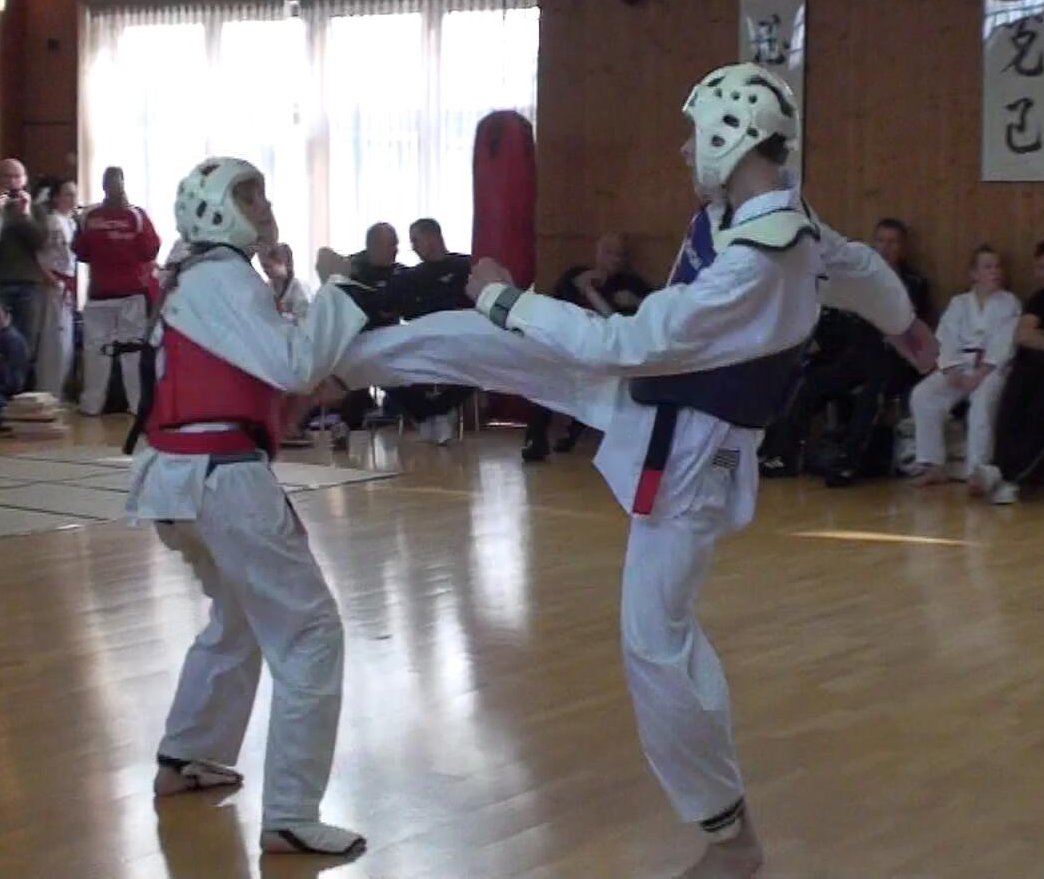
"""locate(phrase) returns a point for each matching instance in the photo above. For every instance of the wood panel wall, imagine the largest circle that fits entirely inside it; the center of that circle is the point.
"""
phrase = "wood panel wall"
(38, 84)
(613, 79)
(893, 93)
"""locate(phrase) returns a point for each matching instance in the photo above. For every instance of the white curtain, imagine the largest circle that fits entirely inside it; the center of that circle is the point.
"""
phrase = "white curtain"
(355, 111)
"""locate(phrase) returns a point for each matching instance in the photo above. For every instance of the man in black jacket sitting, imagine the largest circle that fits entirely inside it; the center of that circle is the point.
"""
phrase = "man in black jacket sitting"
(854, 363)
(608, 287)
(436, 284)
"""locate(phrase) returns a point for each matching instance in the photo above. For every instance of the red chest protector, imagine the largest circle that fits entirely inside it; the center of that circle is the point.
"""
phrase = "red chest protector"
(198, 387)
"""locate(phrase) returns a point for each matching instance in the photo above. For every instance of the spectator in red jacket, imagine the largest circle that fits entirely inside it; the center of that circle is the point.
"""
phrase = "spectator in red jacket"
(119, 244)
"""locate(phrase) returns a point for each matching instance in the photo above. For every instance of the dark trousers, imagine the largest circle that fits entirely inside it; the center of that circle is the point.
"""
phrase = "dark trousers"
(24, 302)
(870, 373)
(1019, 445)
(421, 402)
(539, 423)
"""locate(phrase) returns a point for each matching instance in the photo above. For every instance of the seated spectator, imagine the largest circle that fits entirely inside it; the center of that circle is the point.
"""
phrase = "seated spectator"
(292, 299)
(291, 294)
(436, 284)
(14, 358)
(329, 262)
(608, 287)
(400, 293)
(372, 268)
(892, 241)
(377, 264)
(855, 365)
(1019, 449)
(975, 344)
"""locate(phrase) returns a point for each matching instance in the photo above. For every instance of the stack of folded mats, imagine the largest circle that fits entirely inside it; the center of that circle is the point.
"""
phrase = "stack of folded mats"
(34, 416)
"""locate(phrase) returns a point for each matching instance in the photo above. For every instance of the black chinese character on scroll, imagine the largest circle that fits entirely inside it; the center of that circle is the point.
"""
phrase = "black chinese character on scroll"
(1017, 134)
(1024, 40)
(769, 45)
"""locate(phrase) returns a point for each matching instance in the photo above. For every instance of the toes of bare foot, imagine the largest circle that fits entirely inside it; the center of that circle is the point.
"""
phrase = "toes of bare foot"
(725, 862)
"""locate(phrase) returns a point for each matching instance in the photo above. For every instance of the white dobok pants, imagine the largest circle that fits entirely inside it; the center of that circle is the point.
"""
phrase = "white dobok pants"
(106, 321)
(54, 357)
(931, 402)
(269, 601)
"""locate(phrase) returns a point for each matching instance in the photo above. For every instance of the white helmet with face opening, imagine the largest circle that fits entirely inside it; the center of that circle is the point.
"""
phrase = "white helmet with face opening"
(206, 211)
(734, 109)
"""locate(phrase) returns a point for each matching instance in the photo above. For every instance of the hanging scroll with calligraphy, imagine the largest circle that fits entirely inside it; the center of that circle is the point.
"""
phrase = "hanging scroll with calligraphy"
(1013, 90)
(772, 33)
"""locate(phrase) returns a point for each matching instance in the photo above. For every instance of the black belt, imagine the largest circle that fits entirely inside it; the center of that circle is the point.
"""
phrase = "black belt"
(215, 461)
(656, 456)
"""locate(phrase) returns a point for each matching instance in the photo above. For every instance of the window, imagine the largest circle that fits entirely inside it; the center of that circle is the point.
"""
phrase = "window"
(352, 118)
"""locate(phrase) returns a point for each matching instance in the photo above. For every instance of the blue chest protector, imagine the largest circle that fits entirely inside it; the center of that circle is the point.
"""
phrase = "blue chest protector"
(753, 393)
(750, 394)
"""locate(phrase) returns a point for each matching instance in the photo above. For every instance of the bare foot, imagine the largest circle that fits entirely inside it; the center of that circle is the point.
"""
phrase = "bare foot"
(182, 776)
(932, 475)
(738, 858)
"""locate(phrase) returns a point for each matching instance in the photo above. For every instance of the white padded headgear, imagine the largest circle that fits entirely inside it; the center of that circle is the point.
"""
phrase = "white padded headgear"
(205, 210)
(735, 108)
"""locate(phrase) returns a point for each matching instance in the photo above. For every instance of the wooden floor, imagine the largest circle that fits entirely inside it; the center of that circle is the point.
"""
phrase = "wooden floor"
(885, 650)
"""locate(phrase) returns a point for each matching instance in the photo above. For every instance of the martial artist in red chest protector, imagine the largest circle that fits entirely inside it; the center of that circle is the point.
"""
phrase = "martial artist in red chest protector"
(227, 359)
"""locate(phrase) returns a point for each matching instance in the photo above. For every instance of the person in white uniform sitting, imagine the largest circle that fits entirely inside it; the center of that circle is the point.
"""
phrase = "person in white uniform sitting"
(976, 340)
(291, 294)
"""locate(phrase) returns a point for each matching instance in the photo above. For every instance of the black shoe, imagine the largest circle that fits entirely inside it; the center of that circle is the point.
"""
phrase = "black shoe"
(565, 444)
(535, 449)
(842, 473)
(568, 442)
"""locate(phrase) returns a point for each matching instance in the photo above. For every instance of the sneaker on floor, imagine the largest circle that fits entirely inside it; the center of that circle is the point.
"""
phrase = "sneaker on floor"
(984, 479)
(1005, 493)
(339, 437)
(442, 432)
(841, 477)
(777, 468)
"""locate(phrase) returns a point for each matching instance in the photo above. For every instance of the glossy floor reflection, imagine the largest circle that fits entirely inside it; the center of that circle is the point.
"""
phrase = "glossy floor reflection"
(885, 649)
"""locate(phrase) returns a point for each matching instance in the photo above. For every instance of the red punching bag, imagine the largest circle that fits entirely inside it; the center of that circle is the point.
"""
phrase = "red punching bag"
(505, 213)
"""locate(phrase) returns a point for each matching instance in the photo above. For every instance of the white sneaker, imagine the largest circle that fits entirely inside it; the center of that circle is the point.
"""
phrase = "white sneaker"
(339, 436)
(984, 479)
(442, 432)
(1005, 493)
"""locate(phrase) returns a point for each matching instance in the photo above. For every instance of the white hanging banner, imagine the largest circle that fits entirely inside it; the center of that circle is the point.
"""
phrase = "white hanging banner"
(772, 34)
(1013, 90)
